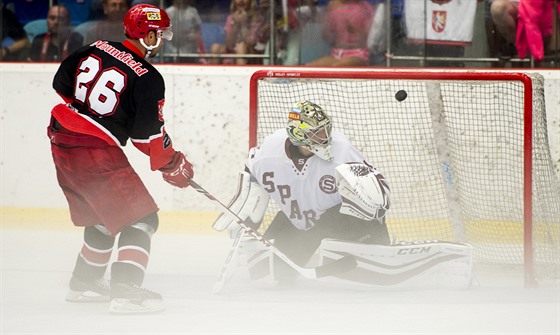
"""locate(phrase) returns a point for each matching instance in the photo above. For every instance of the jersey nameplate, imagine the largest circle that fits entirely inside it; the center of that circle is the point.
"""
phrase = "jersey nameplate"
(125, 57)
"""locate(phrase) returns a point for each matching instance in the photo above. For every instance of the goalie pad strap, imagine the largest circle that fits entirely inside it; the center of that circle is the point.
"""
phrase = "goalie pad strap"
(250, 201)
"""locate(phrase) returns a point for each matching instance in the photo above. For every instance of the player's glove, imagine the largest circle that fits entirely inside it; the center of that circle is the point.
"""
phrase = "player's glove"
(179, 171)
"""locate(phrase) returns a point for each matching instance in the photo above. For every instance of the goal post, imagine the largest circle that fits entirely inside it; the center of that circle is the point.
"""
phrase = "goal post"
(466, 153)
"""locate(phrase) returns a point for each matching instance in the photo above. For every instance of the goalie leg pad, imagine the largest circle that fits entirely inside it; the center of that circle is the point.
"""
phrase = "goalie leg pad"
(418, 264)
(250, 201)
(257, 258)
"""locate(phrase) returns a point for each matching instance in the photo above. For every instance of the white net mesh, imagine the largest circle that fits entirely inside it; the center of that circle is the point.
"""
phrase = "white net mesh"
(452, 151)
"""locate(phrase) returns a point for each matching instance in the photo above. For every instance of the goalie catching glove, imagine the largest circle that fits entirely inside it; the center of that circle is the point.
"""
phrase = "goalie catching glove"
(249, 202)
(364, 191)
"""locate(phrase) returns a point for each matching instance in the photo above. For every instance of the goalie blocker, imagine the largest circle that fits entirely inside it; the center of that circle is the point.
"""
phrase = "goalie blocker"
(249, 202)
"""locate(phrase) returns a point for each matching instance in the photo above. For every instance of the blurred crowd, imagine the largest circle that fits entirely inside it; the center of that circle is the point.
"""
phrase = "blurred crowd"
(415, 33)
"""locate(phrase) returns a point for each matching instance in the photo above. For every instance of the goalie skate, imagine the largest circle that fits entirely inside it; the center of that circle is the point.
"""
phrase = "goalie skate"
(133, 299)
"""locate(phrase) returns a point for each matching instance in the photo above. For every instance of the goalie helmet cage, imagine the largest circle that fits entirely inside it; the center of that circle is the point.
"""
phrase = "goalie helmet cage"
(466, 154)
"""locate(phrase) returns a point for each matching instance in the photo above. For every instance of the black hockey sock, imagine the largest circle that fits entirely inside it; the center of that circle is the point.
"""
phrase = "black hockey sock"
(133, 255)
(94, 256)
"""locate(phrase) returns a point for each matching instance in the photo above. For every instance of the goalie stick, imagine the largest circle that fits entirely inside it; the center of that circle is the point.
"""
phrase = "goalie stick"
(343, 264)
(220, 282)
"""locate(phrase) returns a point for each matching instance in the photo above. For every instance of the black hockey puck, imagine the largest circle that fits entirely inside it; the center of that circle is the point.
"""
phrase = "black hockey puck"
(401, 95)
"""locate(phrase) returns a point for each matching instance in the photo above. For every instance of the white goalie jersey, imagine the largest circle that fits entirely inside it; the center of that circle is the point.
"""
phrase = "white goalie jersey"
(304, 187)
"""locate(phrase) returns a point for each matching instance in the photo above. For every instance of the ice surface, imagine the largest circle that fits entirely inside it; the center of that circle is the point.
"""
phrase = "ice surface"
(36, 266)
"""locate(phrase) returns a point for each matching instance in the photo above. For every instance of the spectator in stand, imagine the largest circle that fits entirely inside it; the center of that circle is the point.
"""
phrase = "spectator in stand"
(111, 27)
(502, 29)
(241, 29)
(186, 27)
(14, 39)
(59, 41)
(346, 28)
(534, 27)
(525, 26)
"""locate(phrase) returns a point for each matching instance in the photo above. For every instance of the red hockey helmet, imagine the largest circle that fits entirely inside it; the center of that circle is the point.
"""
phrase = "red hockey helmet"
(143, 18)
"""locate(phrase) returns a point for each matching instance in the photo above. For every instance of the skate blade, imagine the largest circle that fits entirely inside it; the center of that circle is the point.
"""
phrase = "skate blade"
(126, 306)
(86, 296)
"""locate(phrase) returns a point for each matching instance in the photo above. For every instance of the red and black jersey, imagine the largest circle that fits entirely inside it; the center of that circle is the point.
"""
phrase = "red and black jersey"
(115, 94)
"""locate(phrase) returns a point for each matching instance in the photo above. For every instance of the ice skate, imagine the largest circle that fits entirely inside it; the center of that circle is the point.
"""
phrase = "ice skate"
(127, 298)
(82, 291)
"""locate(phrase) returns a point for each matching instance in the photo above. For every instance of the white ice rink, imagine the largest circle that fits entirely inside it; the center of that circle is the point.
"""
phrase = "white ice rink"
(36, 266)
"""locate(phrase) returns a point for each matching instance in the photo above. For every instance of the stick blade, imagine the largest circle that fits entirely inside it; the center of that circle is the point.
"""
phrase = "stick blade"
(218, 285)
(341, 265)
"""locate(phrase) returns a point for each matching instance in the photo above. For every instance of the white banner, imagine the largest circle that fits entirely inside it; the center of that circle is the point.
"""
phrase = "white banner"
(440, 21)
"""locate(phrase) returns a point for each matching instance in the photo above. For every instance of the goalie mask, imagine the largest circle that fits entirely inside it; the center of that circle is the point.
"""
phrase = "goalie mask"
(310, 127)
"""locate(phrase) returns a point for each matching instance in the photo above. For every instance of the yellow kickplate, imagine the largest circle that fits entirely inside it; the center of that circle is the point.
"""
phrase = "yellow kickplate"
(59, 219)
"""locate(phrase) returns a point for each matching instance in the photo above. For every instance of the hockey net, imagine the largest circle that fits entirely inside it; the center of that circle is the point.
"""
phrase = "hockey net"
(466, 154)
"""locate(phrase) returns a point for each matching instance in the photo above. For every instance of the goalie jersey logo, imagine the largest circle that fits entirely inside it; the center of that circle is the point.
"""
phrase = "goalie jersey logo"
(327, 184)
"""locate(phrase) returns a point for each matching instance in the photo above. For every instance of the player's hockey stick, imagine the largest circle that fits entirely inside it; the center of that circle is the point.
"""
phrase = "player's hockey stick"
(343, 264)
(220, 282)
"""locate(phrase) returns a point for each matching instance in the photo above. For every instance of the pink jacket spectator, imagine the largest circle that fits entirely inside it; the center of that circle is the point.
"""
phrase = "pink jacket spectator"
(534, 23)
(347, 25)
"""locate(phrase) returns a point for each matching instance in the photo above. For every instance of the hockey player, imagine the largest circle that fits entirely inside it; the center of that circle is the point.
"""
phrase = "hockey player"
(324, 186)
(113, 94)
